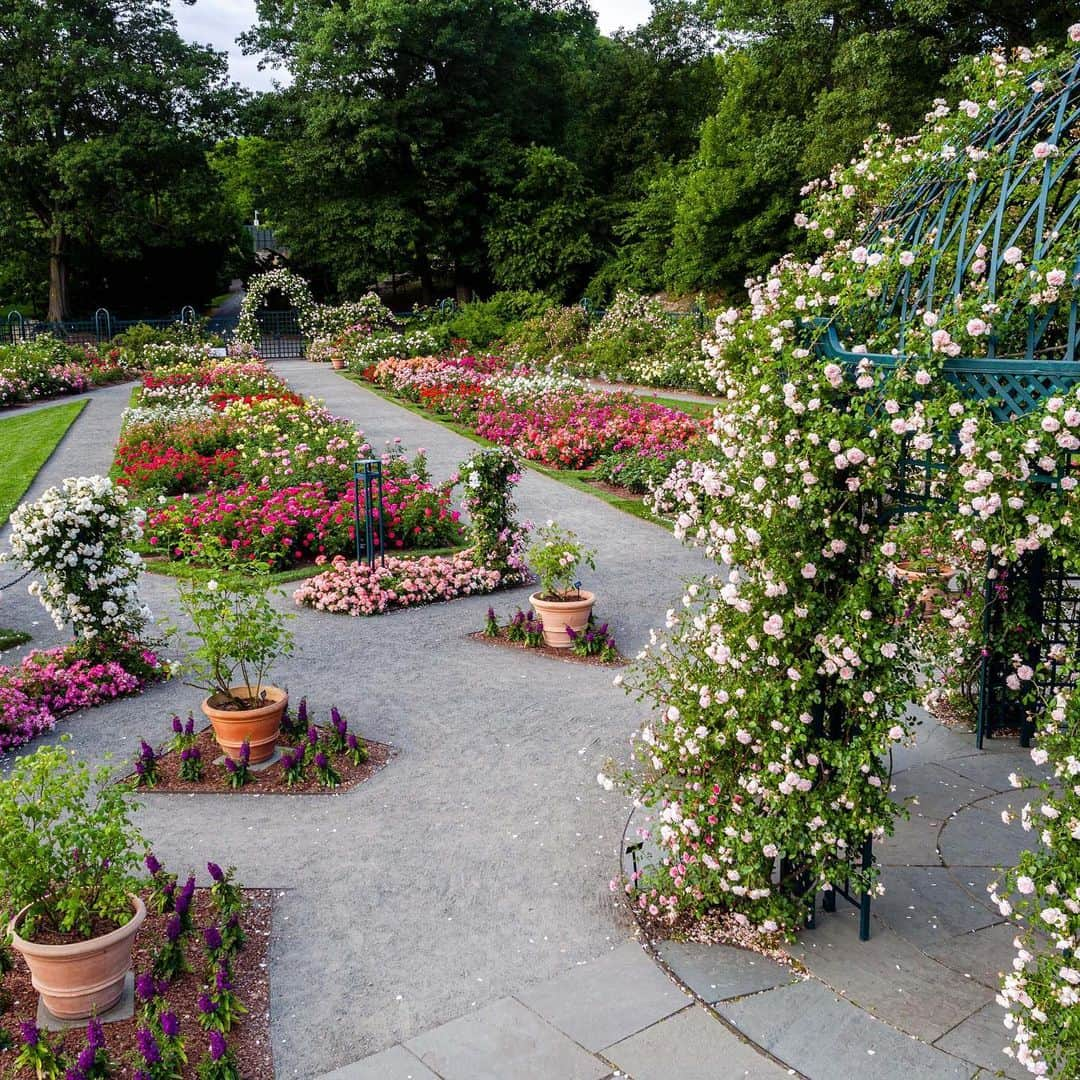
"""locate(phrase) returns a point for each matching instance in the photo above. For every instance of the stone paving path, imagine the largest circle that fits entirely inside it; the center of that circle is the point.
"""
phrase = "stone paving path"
(451, 917)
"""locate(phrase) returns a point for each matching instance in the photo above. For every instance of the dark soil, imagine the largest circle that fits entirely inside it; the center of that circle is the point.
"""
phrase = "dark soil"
(614, 489)
(248, 1041)
(566, 655)
(270, 781)
(44, 936)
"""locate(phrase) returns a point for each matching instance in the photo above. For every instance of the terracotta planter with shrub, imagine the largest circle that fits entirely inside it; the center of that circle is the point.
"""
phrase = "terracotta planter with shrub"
(557, 615)
(259, 727)
(85, 978)
(338, 363)
(935, 579)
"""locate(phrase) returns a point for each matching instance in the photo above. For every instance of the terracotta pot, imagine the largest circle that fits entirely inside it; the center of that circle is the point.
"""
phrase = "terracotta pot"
(260, 727)
(557, 615)
(337, 363)
(933, 593)
(85, 978)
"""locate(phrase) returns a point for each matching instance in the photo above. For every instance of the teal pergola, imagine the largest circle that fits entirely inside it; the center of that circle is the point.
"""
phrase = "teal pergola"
(1025, 201)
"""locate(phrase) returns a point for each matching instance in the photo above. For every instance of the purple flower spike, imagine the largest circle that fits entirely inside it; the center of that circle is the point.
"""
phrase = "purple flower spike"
(28, 1032)
(206, 1006)
(215, 871)
(85, 1061)
(301, 711)
(320, 760)
(170, 1024)
(95, 1036)
(221, 980)
(178, 725)
(351, 742)
(189, 727)
(230, 766)
(145, 749)
(144, 987)
(174, 929)
(148, 1046)
(217, 1046)
(313, 735)
(245, 752)
(212, 937)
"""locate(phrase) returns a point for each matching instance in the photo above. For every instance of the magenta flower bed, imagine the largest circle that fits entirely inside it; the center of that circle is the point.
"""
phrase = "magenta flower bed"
(51, 683)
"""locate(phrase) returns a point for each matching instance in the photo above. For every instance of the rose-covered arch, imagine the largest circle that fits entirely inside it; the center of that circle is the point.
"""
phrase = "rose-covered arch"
(292, 286)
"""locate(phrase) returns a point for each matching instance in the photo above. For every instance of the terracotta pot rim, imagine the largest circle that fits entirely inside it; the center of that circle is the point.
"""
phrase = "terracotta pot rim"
(584, 597)
(271, 702)
(75, 948)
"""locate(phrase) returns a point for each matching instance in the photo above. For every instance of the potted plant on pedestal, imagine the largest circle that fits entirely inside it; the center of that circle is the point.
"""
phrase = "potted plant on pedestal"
(68, 859)
(239, 635)
(561, 603)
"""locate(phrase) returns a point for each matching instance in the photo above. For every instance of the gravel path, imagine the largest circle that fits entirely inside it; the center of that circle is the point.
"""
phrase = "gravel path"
(474, 866)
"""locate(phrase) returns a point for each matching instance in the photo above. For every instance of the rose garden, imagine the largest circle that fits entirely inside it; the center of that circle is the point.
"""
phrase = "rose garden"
(611, 695)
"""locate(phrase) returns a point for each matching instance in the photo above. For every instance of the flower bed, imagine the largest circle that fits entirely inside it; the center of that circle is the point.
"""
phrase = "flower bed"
(163, 1006)
(50, 368)
(52, 683)
(555, 420)
(261, 472)
(350, 588)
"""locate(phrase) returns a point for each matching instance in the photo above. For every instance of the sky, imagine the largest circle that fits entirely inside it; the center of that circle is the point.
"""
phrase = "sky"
(218, 22)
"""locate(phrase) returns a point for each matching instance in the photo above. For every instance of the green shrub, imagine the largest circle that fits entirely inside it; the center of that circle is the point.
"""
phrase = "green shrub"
(484, 321)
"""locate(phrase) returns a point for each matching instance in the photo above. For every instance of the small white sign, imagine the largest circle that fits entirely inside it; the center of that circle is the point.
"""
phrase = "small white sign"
(219, 351)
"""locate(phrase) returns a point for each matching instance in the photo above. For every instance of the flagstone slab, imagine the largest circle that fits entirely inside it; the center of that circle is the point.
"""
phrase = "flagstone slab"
(889, 976)
(691, 1045)
(980, 1039)
(393, 1064)
(823, 1036)
(601, 1002)
(719, 972)
(504, 1039)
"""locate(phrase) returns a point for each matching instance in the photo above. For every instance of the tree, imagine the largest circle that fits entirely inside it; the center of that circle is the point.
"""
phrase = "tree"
(538, 237)
(105, 116)
(404, 120)
(805, 82)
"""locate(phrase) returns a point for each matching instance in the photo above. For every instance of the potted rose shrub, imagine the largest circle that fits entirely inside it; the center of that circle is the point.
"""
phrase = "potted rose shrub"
(560, 602)
(68, 858)
(238, 635)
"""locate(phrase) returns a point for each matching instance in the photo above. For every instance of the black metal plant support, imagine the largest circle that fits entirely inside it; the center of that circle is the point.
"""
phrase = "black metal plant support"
(368, 486)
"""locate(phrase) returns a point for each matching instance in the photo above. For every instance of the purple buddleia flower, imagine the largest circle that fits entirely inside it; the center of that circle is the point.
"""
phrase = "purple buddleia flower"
(230, 766)
(205, 1005)
(245, 752)
(86, 1059)
(74, 1073)
(217, 1046)
(321, 761)
(140, 768)
(339, 723)
(28, 1032)
(141, 1074)
(215, 871)
(174, 928)
(148, 1046)
(571, 633)
(212, 937)
(146, 751)
(189, 727)
(351, 742)
(221, 980)
(301, 712)
(170, 1024)
(95, 1036)
(178, 725)
(313, 735)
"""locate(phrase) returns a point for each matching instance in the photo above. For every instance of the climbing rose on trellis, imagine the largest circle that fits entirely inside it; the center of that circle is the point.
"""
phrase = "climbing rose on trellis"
(293, 287)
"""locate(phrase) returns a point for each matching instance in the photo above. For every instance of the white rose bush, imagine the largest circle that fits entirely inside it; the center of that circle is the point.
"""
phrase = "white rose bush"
(77, 538)
(782, 680)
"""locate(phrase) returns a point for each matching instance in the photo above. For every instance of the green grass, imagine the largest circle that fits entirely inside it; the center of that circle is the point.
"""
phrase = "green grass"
(579, 479)
(10, 638)
(28, 440)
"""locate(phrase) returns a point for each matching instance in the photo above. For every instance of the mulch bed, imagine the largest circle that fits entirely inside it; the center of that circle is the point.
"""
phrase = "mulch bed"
(249, 1039)
(566, 655)
(614, 489)
(270, 781)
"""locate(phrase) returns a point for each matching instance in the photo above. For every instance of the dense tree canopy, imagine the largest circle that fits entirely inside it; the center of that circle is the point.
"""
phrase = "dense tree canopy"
(106, 114)
(475, 144)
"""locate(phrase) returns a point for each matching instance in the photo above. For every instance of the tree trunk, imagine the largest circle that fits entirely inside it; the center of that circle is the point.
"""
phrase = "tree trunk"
(58, 278)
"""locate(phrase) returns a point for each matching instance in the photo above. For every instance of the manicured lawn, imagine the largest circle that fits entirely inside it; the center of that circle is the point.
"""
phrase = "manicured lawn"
(28, 440)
